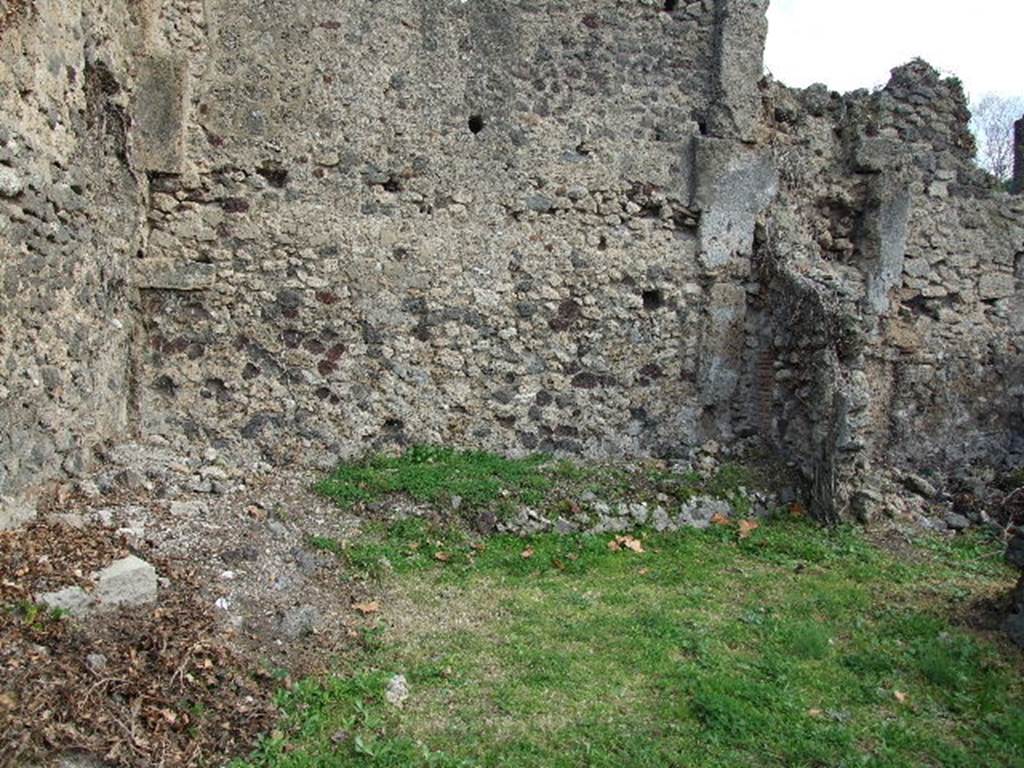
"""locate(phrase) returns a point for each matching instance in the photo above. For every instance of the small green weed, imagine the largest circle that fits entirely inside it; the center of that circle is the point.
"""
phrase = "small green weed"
(36, 615)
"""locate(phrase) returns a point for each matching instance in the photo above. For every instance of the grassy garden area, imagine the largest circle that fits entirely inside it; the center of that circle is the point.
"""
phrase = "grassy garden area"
(783, 644)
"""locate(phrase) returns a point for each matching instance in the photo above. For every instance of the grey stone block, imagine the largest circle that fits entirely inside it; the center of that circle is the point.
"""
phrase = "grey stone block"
(733, 185)
(125, 582)
(173, 275)
(14, 512)
(129, 581)
(159, 119)
(11, 183)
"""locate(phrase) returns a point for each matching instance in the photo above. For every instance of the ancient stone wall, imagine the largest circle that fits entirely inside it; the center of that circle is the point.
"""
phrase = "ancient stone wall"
(487, 223)
(904, 266)
(338, 226)
(69, 222)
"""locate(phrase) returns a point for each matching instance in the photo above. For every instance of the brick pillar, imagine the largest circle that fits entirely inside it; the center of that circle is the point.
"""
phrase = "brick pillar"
(1017, 186)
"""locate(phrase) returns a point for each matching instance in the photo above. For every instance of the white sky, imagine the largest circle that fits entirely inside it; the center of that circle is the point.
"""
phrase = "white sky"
(849, 44)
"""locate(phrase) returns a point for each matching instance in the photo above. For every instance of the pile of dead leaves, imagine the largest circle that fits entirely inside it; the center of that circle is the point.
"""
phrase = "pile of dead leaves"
(49, 554)
(152, 686)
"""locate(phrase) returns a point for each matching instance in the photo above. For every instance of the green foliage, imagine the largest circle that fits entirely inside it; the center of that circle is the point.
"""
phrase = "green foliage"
(36, 615)
(436, 475)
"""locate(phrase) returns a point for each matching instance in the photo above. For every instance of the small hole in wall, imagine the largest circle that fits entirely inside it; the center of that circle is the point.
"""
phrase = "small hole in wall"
(671, 5)
(276, 177)
(653, 299)
(476, 123)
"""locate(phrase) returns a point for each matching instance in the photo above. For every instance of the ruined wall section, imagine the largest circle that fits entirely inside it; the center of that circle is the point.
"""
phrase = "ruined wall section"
(69, 208)
(461, 222)
(918, 257)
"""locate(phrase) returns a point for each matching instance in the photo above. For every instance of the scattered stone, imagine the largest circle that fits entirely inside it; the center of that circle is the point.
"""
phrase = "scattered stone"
(70, 519)
(957, 522)
(133, 480)
(189, 508)
(920, 486)
(126, 582)
(539, 203)
(277, 527)
(14, 512)
(129, 581)
(298, 622)
(200, 484)
(639, 513)
(11, 184)
(398, 691)
(564, 527)
(699, 511)
(88, 488)
(486, 523)
(661, 521)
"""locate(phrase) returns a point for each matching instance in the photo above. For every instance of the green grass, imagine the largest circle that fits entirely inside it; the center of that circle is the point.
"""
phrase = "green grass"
(794, 647)
(437, 475)
(481, 480)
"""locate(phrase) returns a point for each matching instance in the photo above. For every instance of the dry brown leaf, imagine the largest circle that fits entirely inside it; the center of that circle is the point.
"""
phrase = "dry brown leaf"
(796, 509)
(815, 712)
(367, 608)
(643, 571)
(444, 557)
(626, 542)
(632, 544)
(720, 519)
(901, 697)
(527, 553)
(747, 527)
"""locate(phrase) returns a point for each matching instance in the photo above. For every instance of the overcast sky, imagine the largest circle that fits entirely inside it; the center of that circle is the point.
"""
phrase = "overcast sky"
(850, 44)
